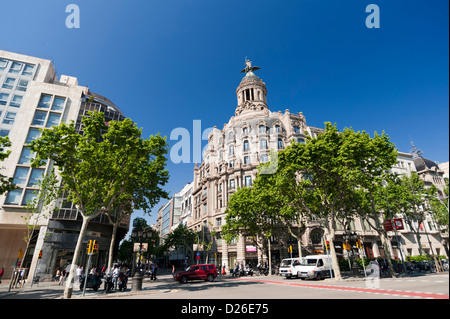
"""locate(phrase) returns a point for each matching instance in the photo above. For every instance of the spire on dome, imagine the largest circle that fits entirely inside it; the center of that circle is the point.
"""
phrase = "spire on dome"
(249, 67)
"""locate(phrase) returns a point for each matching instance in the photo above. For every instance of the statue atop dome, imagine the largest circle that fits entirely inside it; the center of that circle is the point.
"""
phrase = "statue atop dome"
(249, 67)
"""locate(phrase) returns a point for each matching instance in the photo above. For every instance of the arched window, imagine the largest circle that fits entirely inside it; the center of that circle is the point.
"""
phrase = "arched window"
(231, 149)
(262, 129)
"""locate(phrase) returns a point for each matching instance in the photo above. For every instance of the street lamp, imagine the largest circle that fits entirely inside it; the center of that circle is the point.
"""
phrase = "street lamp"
(351, 238)
(138, 235)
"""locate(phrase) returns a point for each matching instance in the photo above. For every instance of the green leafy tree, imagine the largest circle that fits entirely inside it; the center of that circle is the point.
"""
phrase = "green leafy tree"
(184, 237)
(6, 183)
(110, 164)
(319, 179)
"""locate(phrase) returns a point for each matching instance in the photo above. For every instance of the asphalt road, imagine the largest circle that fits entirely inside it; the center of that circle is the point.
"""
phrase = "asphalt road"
(420, 286)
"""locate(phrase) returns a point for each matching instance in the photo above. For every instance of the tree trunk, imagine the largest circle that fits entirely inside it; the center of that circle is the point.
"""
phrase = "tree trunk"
(111, 246)
(69, 283)
(329, 235)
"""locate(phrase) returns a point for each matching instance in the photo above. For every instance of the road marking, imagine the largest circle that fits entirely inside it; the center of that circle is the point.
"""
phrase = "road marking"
(428, 295)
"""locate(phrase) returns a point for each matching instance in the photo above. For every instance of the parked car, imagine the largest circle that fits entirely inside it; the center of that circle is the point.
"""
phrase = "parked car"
(197, 272)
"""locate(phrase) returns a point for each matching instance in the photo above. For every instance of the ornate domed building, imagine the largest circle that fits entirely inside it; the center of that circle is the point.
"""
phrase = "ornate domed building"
(231, 159)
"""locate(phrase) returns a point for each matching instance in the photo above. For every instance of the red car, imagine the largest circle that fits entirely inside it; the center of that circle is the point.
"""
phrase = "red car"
(197, 272)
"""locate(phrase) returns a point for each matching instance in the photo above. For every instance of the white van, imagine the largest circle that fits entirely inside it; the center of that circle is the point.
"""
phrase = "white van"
(289, 267)
(315, 267)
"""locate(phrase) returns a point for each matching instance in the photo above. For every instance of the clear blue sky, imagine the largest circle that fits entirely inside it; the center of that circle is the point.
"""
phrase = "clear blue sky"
(167, 63)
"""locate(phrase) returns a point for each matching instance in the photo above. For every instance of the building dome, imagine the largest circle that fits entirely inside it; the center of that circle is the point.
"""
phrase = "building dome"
(424, 164)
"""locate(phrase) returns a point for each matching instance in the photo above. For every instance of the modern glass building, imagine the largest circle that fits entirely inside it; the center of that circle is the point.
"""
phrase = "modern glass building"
(33, 98)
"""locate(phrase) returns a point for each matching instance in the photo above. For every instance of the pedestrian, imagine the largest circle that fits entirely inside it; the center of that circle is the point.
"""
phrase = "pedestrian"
(78, 274)
(115, 278)
(2, 271)
(173, 270)
(62, 277)
(223, 270)
(58, 274)
(154, 270)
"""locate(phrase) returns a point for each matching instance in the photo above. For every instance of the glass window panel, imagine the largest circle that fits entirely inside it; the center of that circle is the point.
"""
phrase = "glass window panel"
(9, 118)
(21, 175)
(4, 133)
(58, 103)
(44, 102)
(53, 119)
(33, 134)
(16, 100)
(28, 69)
(36, 177)
(26, 156)
(14, 196)
(28, 197)
(3, 98)
(39, 118)
(3, 64)
(15, 67)
(22, 85)
(9, 83)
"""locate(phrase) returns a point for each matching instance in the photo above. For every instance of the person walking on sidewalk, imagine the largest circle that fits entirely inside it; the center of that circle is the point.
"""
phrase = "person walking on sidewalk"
(2, 271)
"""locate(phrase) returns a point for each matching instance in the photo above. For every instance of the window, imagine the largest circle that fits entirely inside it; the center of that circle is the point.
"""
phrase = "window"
(232, 185)
(20, 176)
(53, 119)
(245, 131)
(231, 164)
(16, 100)
(219, 221)
(26, 156)
(246, 159)
(280, 144)
(9, 83)
(246, 146)
(22, 85)
(28, 197)
(39, 118)
(4, 98)
(3, 132)
(277, 129)
(44, 102)
(28, 69)
(300, 140)
(9, 118)
(3, 64)
(36, 177)
(264, 158)
(248, 181)
(33, 134)
(15, 67)
(231, 149)
(58, 103)
(14, 197)
(263, 144)
(296, 130)
(262, 129)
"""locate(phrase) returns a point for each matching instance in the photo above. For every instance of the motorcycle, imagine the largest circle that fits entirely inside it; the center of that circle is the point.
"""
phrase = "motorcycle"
(109, 285)
(122, 282)
(93, 281)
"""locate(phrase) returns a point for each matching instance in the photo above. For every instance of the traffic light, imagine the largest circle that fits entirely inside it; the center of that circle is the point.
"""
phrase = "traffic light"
(290, 249)
(95, 247)
(89, 247)
(40, 254)
(327, 245)
(358, 243)
(346, 245)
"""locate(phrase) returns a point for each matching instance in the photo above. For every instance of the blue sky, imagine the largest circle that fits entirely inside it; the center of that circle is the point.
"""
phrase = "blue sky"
(167, 63)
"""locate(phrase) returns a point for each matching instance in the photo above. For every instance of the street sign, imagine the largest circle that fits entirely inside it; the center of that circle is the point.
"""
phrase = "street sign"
(136, 247)
(388, 225)
(198, 257)
(398, 222)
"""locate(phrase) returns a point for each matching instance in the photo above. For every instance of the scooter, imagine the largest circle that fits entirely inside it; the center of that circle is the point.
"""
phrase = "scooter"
(93, 282)
(122, 282)
(109, 285)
